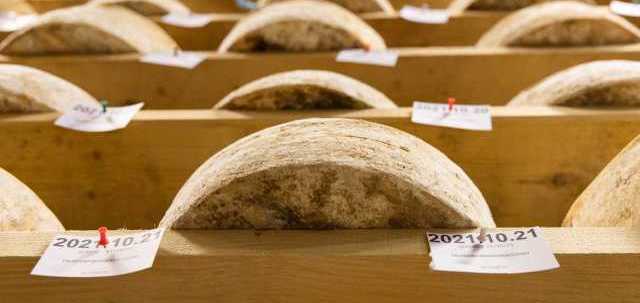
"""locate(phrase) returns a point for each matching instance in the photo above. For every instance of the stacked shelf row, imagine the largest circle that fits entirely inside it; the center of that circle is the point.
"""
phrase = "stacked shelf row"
(530, 168)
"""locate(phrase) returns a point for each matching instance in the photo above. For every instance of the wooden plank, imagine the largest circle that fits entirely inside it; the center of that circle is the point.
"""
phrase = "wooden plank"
(214, 6)
(478, 76)
(596, 265)
(461, 30)
(530, 168)
(229, 6)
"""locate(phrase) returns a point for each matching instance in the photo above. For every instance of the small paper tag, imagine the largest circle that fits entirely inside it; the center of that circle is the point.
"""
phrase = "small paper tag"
(501, 252)
(82, 257)
(188, 60)
(424, 15)
(11, 21)
(625, 8)
(94, 120)
(190, 20)
(384, 58)
(471, 117)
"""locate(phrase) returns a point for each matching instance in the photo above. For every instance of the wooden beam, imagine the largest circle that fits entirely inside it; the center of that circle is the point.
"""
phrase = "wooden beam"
(478, 76)
(229, 6)
(461, 30)
(596, 265)
(530, 168)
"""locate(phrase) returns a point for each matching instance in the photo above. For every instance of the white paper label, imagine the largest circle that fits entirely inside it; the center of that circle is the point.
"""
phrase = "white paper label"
(625, 8)
(188, 60)
(384, 58)
(82, 257)
(471, 117)
(501, 252)
(11, 21)
(187, 20)
(94, 120)
(424, 15)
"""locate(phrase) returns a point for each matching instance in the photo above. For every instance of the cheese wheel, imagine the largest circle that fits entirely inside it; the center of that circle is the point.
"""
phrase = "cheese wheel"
(356, 6)
(88, 29)
(26, 89)
(560, 23)
(21, 209)
(305, 89)
(18, 6)
(301, 25)
(611, 200)
(147, 7)
(328, 173)
(598, 83)
(459, 6)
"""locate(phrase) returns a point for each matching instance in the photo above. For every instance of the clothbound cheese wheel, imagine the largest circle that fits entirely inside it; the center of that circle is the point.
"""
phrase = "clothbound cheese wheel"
(598, 83)
(301, 25)
(25, 89)
(88, 29)
(459, 6)
(21, 209)
(328, 173)
(611, 200)
(305, 89)
(17, 6)
(147, 7)
(356, 6)
(560, 23)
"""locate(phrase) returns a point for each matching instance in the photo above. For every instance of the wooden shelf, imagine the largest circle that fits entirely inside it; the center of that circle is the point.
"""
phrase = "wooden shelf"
(461, 30)
(596, 265)
(530, 168)
(229, 6)
(476, 76)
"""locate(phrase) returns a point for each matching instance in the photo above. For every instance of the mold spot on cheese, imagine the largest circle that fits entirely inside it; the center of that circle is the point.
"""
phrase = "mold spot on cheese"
(301, 25)
(598, 83)
(611, 200)
(24, 89)
(560, 23)
(356, 6)
(305, 89)
(88, 29)
(147, 7)
(21, 209)
(328, 173)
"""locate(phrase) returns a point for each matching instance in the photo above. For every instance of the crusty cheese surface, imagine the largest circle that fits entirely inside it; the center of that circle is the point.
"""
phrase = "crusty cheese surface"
(305, 89)
(611, 200)
(88, 29)
(301, 25)
(328, 173)
(598, 83)
(459, 6)
(560, 23)
(21, 209)
(147, 7)
(356, 6)
(25, 89)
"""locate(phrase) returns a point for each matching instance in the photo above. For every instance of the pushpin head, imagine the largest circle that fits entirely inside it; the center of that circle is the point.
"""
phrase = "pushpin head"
(451, 102)
(103, 236)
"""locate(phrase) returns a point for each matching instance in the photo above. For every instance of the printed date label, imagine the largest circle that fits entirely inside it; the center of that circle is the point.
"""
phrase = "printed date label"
(500, 252)
(83, 257)
(470, 117)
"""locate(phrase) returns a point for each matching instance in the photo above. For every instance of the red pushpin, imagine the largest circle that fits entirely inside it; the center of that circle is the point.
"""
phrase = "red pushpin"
(103, 236)
(451, 102)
